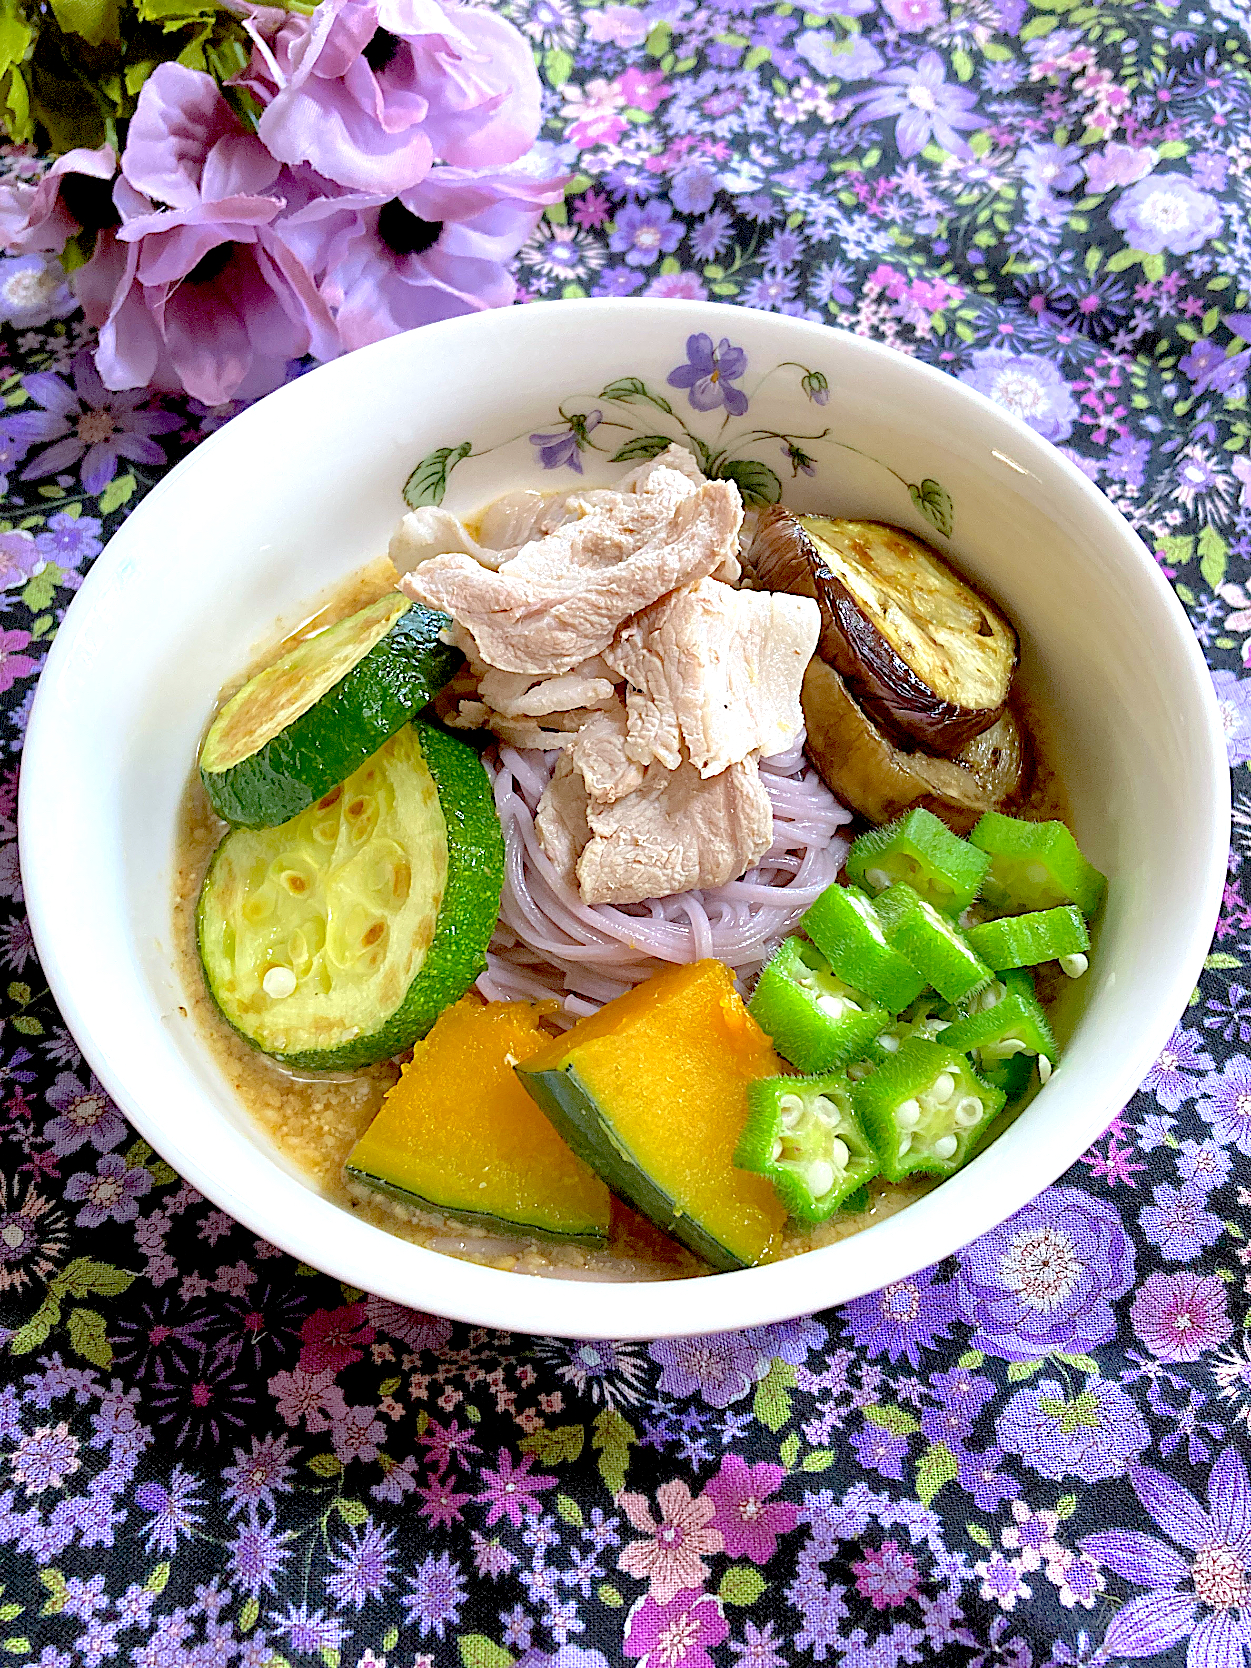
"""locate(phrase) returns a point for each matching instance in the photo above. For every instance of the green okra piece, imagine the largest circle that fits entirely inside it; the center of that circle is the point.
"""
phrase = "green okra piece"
(1005, 1021)
(1026, 940)
(846, 927)
(1034, 866)
(920, 849)
(804, 1135)
(930, 943)
(925, 1110)
(816, 1020)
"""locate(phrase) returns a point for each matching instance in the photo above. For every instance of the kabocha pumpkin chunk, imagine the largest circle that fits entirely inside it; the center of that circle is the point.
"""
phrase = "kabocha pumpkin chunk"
(459, 1134)
(652, 1093)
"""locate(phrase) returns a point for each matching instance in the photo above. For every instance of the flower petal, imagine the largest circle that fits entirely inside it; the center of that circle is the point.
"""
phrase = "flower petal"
(1173, 1507)
(51, 393)
(638, 1508)
(1148, 1625)
(1229, 1498)
(1217, 1642)
(99, 466)
(1142, 1559)
(63, 455)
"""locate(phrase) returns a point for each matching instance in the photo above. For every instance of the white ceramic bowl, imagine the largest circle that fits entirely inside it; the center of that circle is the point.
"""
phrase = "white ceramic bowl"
(305, 486)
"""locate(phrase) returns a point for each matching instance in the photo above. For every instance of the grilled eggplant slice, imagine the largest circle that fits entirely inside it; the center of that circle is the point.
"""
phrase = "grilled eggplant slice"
(928, 659)
(862, 766)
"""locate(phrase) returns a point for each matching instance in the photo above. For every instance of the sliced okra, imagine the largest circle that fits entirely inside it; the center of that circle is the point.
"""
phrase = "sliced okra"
(1027, 940)
(804, 1135)
(816, 1020)
(930, 943)
(1034, 866)
(845, 926)
(920, 849)
(925, 1110)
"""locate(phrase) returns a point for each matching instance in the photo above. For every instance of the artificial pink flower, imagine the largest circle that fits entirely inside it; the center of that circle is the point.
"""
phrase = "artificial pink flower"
(671, 1556)
(748, 1520)
(370, 92)
(73, 196)
(443, 248)
(203, 294)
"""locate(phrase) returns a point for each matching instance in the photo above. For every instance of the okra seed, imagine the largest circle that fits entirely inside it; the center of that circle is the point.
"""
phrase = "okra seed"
(968, 1111)
(945, 1146)
(777, 1151)
(878, 879)
(839, 1153)
(824, 1108)
(278, 982)
(834, 1006)
(904, 1145)
(820, 1178)
(1036, 873)
(789, 1104)
(1074, 965)
(1044, 1068)
(908, 1114)
(944, 1087)
(888, 1042)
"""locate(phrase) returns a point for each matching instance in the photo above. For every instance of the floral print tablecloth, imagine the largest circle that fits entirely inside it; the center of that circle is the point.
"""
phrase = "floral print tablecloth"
(1034, 1453)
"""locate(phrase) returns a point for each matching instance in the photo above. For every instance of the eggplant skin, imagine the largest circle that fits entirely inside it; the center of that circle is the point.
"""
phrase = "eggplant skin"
(866, 771)
(929, 659)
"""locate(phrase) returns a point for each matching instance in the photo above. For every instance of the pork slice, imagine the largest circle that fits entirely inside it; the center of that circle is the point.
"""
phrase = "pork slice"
(679, 830)
(426, 533)
(523, 695)
(717, 672)
(560, 820)
(608, 774)
(562, 598)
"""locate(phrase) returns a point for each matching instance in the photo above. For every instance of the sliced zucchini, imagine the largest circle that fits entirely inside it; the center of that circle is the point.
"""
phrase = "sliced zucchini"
(459, 1134)
(928, 659)
(337, 939)
(313, 717)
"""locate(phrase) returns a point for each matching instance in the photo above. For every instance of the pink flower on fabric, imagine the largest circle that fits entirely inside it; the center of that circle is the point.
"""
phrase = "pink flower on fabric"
(1179, 1316)
(510, 1490)
(676, 1634)
(671, 1557)
(748, 1520)
(369, 92)
(203, 294)
(73, 196)
(440, 249)
(13, 663)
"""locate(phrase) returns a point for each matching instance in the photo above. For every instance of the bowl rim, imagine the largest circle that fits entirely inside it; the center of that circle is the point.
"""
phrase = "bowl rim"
(288, 1213)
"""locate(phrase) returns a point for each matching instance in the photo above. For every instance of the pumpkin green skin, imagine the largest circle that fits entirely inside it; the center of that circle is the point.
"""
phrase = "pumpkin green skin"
(402, 673)
(578, 1118)
(466, 920)
(593, 1238)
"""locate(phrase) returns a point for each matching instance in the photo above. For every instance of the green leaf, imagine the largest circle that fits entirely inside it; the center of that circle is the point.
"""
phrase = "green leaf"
(37, 1328)
(390, 1638)
(772, 1404)
(17, 1645)
(329, 1656)
(389, 1386)
(351, 1511)
(88, 1337)
(557, 66)
(569, 1510)
(477, 1651)
(962, 64)
(325, 1465)
(659, 40)
(1081, 1363)
(1212, 551)
(554, 1447)
(971, 1360)
(428, 482)
(1019, 1371)
(157, 1579)
(1153, 267)
(94, 20)
(614, 1436)
(757, 56)
(934, 503)
(628, 389)
(788, 1453)
(27, 1026)
(610, 1596)
(897, 1420)
(37, 593)
(1066, 1505)
(248, 1615)
(936, 1467)
(1172, 147)
(10, 1612)
(1124, 259)
(120, 490)
(756, 481)
(1220, 961)
(641, 448)
(978, 1534)
(1178, 547)
(84, 1276)
(820, 1459)
(58, 1592)
(741, 1584)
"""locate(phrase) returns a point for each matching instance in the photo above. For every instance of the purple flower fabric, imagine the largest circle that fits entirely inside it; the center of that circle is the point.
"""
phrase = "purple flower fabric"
(903, 1318)
(709, 374)
(926, 105)
(33, 289)
(720, 1369)
(1166, 211)
(90, 429)
(1200, 1593)
(1226, 1102)
(1092, 1434)
(1047, 1279)
(643, 234)
(369, 92)
(204, 295)
(1178, 1222)
(1233, 701)
(1180, 1316)
(1174, 1078)
(1028, 386)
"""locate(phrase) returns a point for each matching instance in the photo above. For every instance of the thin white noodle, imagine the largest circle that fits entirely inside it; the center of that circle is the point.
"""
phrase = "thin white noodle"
(549, 944)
